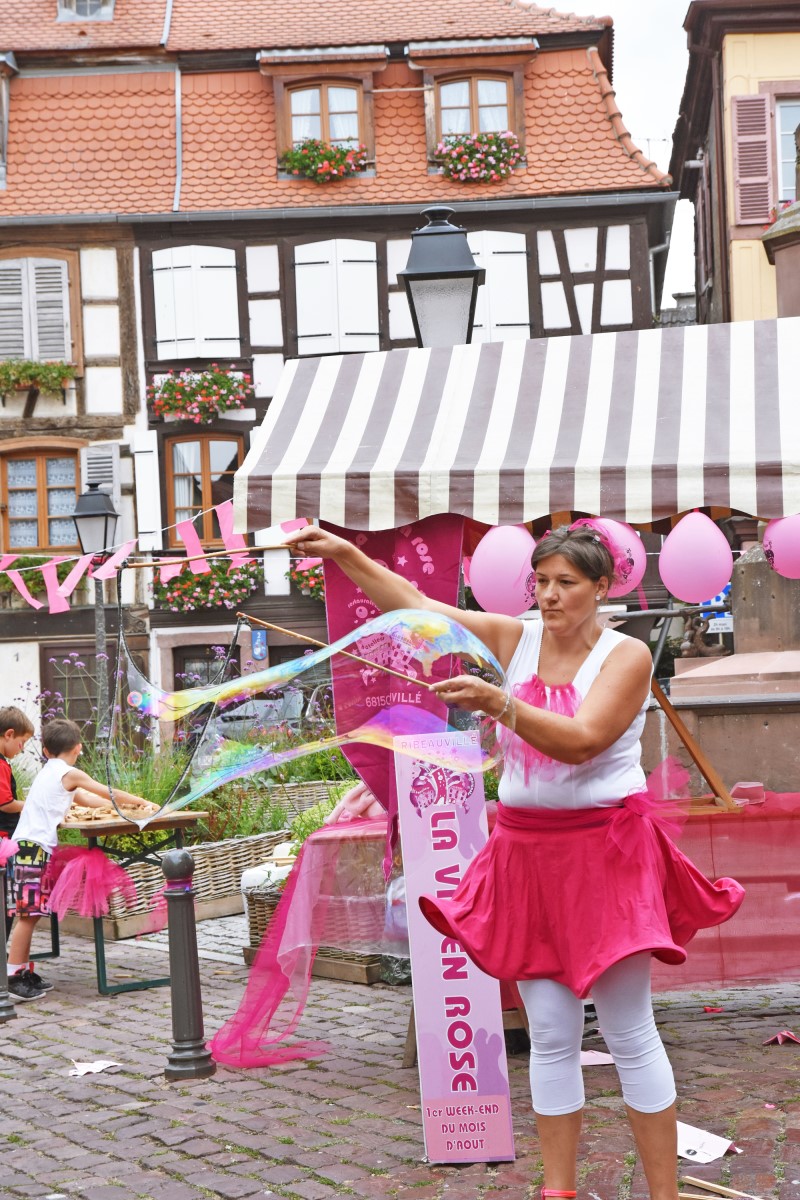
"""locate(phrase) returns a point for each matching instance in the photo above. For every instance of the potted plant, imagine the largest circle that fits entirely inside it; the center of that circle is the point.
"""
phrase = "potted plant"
(309, 580)
(21, 375)
(478, 157)
(222, 586)
(200, 396)
(322, 161)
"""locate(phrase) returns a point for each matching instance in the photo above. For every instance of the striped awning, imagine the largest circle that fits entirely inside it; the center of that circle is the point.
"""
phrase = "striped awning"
(637, 426)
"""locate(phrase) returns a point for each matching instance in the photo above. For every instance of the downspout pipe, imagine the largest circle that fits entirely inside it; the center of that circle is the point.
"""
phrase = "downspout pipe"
(722, 194)
(176, 199)
(653, 251)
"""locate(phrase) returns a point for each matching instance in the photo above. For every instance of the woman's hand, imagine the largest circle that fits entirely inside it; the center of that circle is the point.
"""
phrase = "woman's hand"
(316, 543)
(474, 695)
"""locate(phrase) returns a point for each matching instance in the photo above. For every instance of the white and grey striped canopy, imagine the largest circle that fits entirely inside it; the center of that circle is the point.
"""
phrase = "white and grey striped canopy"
(637, 426)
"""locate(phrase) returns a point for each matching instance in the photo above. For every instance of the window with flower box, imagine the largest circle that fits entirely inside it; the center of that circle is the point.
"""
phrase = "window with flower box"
(329, 111)
(335, 109)
(473, 101)
(39, 490)
(200, 470)
(473, 105)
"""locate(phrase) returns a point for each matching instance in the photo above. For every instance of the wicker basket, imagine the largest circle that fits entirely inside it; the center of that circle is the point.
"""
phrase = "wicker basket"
(297, 797)
(218, 868)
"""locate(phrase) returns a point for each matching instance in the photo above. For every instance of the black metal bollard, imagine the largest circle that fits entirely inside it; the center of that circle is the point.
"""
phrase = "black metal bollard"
(189, 1058)
(8, 1009)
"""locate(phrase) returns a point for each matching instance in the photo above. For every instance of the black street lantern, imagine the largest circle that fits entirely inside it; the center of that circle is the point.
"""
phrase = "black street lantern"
(95, 520)
(441, 281)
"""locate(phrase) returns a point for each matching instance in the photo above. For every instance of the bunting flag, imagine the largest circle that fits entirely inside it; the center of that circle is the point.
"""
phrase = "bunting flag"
(188, 535)
(231, 540)
(17, 580)
(235, 550)
(77, 573)
(56, 602)
(110, 568)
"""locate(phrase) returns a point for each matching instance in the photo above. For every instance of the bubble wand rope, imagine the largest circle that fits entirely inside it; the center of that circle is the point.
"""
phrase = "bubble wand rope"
(301, 637)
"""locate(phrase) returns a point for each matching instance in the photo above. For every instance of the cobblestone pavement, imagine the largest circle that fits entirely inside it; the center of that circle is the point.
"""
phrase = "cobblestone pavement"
(347, 1124)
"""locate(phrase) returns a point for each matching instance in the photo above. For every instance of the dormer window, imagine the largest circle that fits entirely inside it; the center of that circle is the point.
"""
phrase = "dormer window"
(328, 111)
(473, 105)
(85, 10)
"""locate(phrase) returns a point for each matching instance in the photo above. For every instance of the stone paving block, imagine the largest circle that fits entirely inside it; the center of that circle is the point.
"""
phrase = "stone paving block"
(311, 1189)
(228, 1186)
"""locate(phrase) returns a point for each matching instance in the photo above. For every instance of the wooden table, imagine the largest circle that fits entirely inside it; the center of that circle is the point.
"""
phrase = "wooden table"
(172, 825)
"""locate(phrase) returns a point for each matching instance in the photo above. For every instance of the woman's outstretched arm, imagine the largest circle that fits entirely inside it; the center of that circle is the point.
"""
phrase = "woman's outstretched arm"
(389, 591)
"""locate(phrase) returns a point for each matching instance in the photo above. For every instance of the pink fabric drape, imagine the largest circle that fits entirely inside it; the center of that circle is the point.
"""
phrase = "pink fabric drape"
(313, 911)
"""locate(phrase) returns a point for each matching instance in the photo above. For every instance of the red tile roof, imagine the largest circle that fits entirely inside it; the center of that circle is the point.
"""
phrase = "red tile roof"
(91, 144)
(220, 24)
(106, 143)
(31, 25)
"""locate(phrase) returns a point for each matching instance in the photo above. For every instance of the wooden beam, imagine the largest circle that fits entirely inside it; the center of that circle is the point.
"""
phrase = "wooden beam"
(704, 766)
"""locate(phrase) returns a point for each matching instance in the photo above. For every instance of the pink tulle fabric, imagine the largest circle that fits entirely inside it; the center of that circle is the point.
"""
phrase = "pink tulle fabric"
(157, 913)
(519, 754)
(320, 905)
(8, 848)
(84, 880)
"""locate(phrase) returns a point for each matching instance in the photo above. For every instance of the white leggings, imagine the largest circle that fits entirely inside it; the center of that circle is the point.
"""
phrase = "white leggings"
(621, 997)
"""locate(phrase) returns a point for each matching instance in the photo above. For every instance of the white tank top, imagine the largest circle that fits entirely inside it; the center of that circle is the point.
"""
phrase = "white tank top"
(600, 782)
(45, 806)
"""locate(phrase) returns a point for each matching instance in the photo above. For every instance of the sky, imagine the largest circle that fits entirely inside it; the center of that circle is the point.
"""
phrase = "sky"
(650, 61)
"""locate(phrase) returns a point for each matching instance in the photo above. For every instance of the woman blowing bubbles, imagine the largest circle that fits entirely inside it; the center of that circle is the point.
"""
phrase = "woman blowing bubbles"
(578, 885)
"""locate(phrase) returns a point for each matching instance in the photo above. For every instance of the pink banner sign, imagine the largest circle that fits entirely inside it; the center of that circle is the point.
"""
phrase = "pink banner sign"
(466, 1106)
(428, 554)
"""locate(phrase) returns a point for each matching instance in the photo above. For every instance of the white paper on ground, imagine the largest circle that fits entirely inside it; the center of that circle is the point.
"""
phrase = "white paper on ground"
(92, 1068)
(595, 1058)
(699, 1146)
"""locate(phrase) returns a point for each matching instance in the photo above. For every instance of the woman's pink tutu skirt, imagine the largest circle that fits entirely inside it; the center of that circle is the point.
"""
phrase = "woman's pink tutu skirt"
(564, 896)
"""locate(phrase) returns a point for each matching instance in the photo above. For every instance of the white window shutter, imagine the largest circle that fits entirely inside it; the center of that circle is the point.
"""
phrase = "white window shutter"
(49, 288)
(216, 302)
(357, 289)
(147, 481)
(100, 465)
(14, 326)
(507, 284)
(196, 302)
(481, 327)
(316, 297)
(502, 310)
(164, 282)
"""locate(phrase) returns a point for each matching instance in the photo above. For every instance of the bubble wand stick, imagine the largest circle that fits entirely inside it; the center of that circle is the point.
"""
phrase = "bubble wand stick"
(301, 637)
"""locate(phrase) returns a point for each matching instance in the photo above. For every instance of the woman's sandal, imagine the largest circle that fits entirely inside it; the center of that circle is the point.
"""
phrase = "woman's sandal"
(547, 1192)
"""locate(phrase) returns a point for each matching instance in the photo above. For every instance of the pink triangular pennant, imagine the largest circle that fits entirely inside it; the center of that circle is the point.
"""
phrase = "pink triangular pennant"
(17, 580)
(110, 568)
(168, 570)
(188, 535)
(232, 541)
(75, 576)
(56, 602)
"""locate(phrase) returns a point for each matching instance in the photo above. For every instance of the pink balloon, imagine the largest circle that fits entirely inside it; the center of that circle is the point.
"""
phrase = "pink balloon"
(782, 546)
(501, 575)
(695, 561)
(630, 556)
